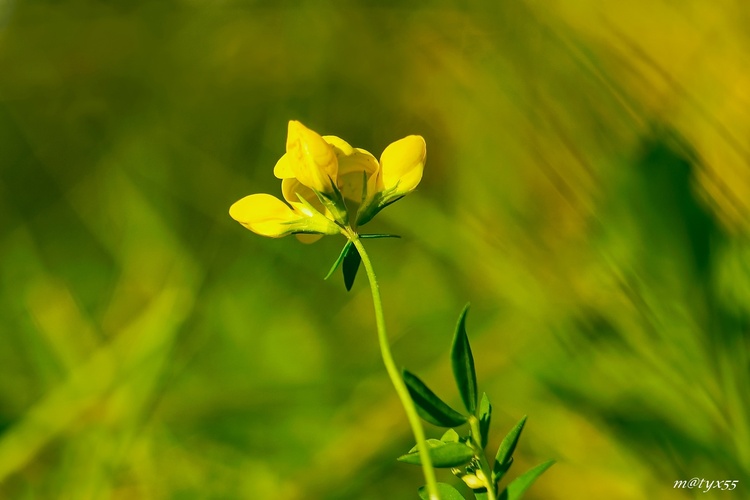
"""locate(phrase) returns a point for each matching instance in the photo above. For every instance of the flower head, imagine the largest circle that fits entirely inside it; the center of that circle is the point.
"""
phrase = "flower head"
(325, 180)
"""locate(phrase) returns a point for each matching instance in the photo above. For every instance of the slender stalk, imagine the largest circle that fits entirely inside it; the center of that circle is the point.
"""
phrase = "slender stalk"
(394, 374)
(484, 465)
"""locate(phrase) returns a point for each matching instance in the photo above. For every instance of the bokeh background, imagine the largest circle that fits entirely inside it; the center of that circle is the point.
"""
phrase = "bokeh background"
(587, 189)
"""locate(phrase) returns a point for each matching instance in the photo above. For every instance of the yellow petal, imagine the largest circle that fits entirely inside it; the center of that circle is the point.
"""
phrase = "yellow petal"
(308, 238)
(402, 163)
(311, 158)
(341, 147)
(283, 168)
(354, 169)
(264, 214)
(358, 160)
(291, 188)
(472, 481)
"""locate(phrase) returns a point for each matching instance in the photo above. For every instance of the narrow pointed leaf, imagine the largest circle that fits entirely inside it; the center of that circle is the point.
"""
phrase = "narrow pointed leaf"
(376, 236)
(485, 415)
(499, 470)
(446, 492)
(429, 406)
(519, 485)
(350, 266)
(463, 364)
(431, 443)
(339, 259)
(507, 447)
(443, 455)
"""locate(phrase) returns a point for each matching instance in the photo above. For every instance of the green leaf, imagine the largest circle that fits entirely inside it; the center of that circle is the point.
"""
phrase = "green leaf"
(446, 492)
(429, 406)
(351, 266)
(504, 457)
(376, 236)
(499, 470)
(485, 415)
(443, 455)
(339, 259)
(463, 364)
(519, 485)
(481, 495)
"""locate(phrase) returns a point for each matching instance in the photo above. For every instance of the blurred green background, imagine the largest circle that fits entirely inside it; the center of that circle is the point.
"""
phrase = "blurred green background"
(586, 188)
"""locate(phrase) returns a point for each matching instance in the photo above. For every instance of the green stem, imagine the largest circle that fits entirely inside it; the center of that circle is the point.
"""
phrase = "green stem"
(395, 375)
(484, 465)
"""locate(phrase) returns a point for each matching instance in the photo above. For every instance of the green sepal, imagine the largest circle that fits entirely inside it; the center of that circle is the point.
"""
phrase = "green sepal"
(463, 364)
(450, 436)
(339, 259)
(389, 199)
(309, 206)
(368, 210)
(316, 223)
(481, 494)
(519, 485)
(485, 416)
(375, 236)
(334, 203)
(504, 457)
(352, 259)
(429, 406)
(446, 492)
(443, 455)
(379, 201)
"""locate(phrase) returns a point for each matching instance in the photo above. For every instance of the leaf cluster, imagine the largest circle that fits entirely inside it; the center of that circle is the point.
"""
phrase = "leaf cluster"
(464, 452)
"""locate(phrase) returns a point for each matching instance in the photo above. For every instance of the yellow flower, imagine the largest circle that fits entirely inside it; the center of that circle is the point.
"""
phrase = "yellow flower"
(473, 482)
(402, 164)
(399, 173)
(313, 162)
(267, 215)
(325, 179)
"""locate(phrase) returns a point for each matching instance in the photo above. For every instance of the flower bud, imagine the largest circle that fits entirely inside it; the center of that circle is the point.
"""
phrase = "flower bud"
(402, 164)
(400, 170)
(473, 481)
